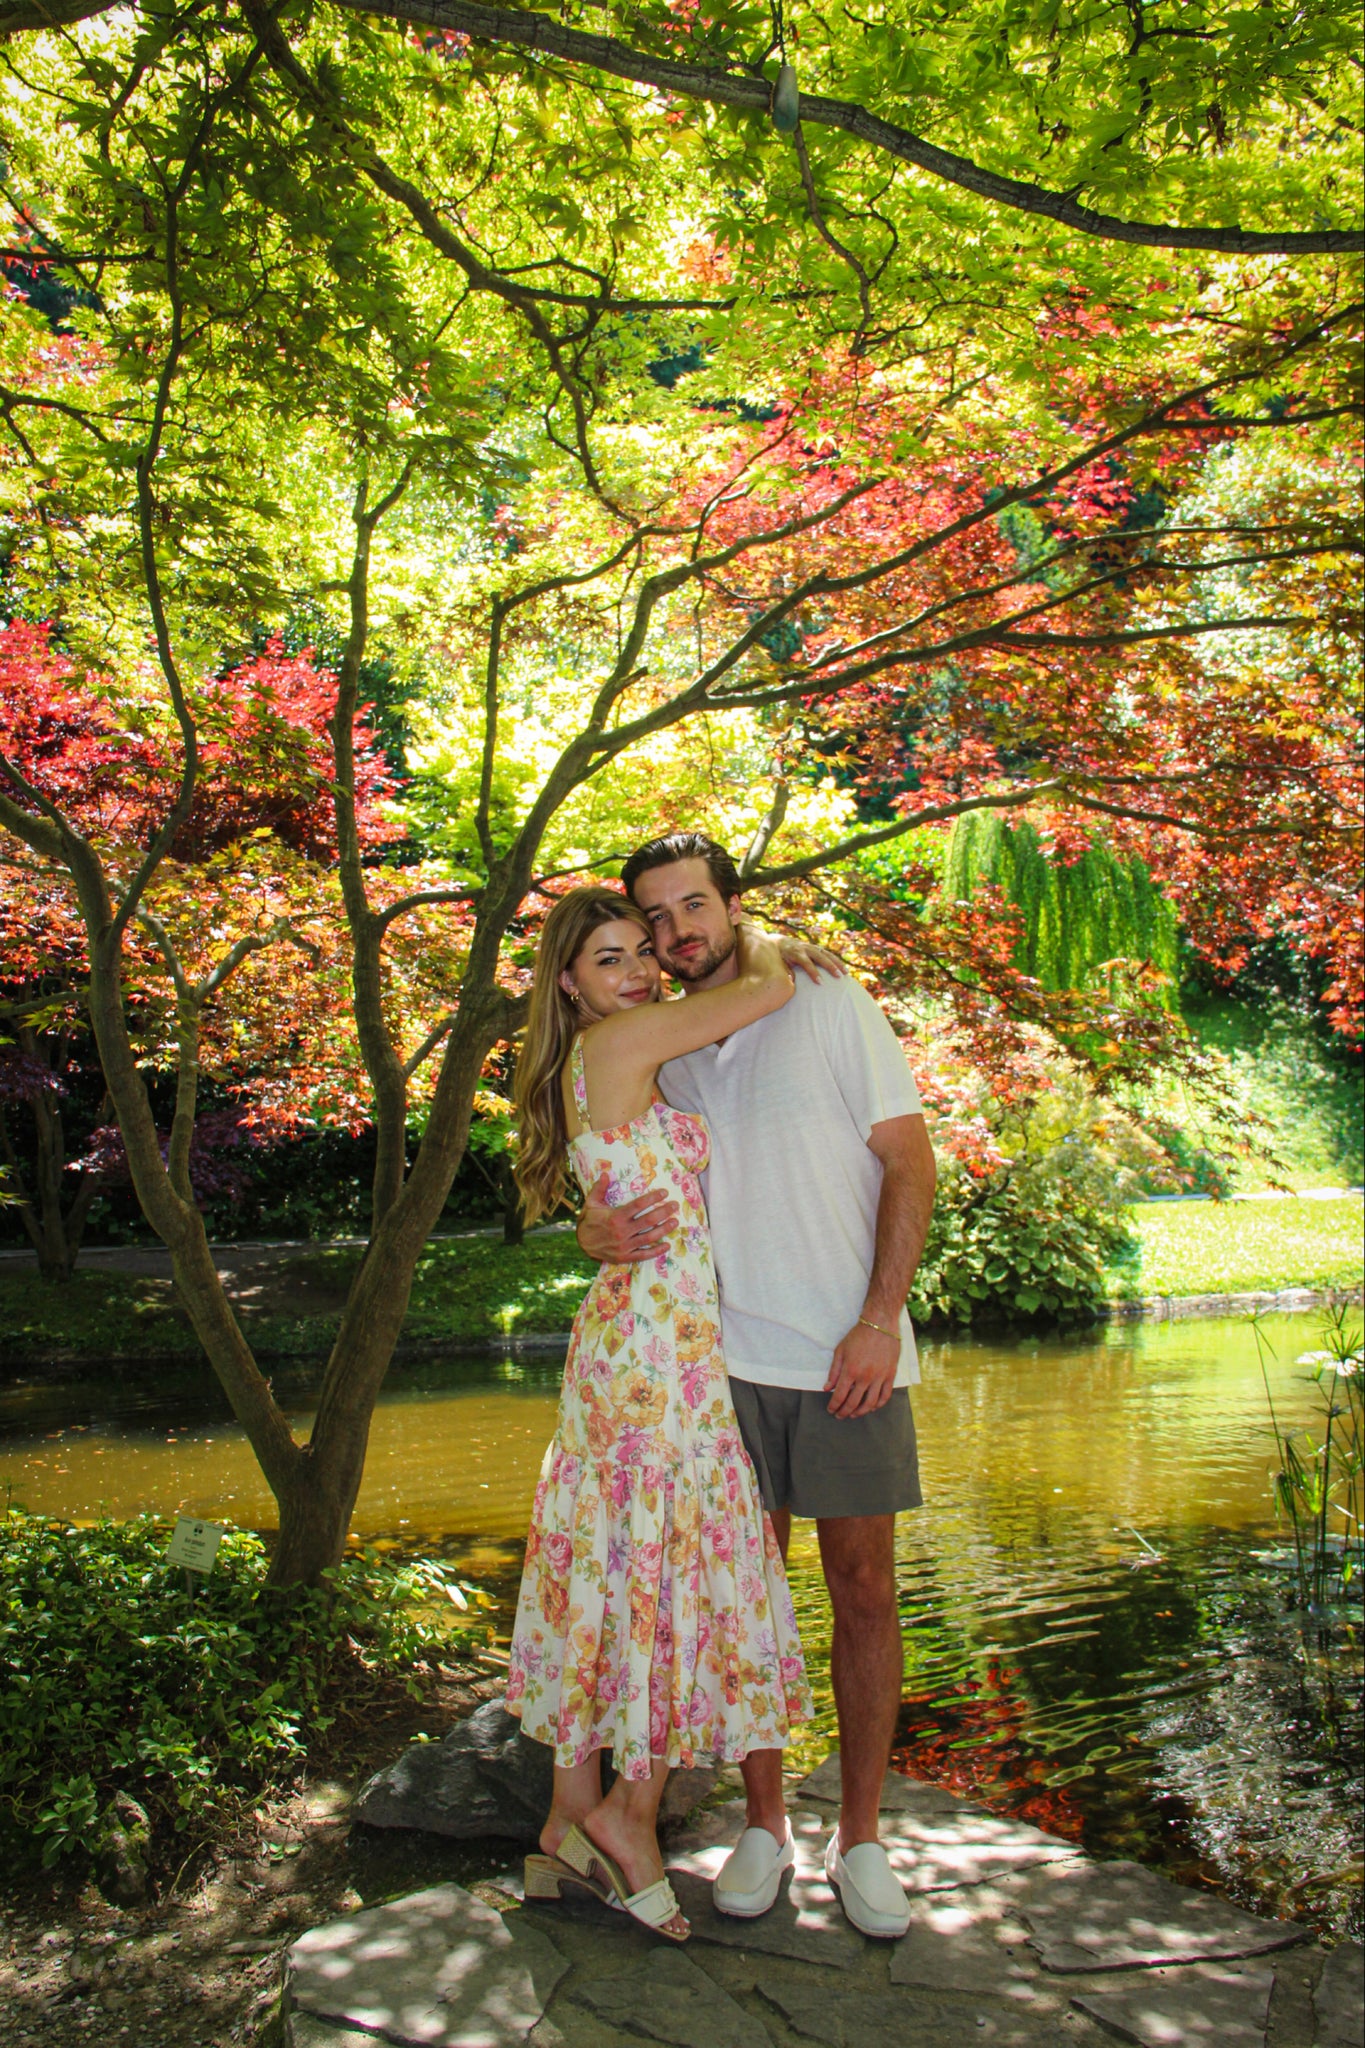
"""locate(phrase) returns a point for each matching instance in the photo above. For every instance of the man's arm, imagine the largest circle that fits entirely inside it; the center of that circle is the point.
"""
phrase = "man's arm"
(863, 1372)
(637, 1230)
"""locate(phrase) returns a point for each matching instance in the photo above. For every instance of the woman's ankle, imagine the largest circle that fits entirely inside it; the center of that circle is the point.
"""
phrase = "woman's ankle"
(558, 1822)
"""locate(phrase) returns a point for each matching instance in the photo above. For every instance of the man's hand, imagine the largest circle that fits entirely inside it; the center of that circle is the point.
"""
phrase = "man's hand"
(863, 1374)
(637, 1230)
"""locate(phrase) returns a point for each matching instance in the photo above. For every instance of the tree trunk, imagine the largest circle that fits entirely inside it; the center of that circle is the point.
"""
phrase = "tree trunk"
(55, 1234)
(513, 1219)
(315, 1516)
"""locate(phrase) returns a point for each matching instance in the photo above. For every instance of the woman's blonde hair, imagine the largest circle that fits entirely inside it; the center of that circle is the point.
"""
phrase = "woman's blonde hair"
(543, 1133)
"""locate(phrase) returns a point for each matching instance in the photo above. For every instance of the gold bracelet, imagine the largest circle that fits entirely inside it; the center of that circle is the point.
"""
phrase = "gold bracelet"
(895, 1334)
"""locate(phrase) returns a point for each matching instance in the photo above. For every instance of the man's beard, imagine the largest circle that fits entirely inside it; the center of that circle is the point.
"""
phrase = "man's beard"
(697, 968)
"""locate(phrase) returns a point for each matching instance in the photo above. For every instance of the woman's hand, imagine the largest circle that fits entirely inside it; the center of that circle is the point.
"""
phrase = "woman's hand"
(812, 960)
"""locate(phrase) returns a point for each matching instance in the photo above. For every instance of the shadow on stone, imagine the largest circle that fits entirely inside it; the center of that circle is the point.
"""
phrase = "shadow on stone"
(1119, 1916)
(437, 1969)
(1210, 2006)
(1339, 2001)
(667, 1998)
(877, 2019)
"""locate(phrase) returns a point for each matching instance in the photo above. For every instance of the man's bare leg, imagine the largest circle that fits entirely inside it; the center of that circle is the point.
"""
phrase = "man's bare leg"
(867, 1661)
(762, 1768)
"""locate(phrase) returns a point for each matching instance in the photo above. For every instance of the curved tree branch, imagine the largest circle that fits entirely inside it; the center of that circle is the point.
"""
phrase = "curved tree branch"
(551, 38)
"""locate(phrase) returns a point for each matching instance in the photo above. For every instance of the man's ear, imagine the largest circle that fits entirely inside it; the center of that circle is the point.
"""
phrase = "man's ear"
(734, 910)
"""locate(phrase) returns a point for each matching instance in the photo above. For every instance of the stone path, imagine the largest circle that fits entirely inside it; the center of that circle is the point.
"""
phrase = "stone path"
(1017, 1941)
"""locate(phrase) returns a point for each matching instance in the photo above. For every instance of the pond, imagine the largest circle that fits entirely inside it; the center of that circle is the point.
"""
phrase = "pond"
(1096, 1625)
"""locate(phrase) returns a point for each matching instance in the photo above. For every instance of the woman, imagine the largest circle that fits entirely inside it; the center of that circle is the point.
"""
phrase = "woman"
(655, 1619)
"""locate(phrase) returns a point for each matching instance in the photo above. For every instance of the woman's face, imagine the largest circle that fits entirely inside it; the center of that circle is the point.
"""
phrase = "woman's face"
(616, 970)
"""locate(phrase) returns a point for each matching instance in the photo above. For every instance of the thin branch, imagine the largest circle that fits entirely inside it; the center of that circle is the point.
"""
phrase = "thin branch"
(483, 815)
(827, 235)
(428, 1046)
(767, 831)
(385, 917)
(1003, 800)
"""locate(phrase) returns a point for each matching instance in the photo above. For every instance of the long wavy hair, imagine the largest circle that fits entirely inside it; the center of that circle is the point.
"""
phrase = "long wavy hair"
(543, 1133)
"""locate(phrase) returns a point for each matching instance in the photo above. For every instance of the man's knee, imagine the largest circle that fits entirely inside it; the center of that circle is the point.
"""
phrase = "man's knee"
(858, 1554)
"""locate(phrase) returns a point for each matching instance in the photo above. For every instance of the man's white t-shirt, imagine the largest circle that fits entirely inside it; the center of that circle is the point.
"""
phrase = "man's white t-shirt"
(792, 1189)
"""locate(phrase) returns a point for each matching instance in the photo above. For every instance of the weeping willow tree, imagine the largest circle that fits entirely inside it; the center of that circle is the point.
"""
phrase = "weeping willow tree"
(1077, 916)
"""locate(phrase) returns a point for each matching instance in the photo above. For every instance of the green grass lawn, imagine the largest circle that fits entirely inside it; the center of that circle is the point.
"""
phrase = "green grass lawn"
(1246, 1247)
(466, 1290)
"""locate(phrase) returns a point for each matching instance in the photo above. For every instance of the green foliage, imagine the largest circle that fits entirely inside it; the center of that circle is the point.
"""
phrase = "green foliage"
(114, 1677)
(1029, 1245)
(1318, 1481)
(1308, 1093)
(1030, 1211)
(1077, 915)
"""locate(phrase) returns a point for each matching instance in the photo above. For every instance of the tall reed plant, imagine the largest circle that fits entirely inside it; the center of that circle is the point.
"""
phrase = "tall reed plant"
(1319, 1481)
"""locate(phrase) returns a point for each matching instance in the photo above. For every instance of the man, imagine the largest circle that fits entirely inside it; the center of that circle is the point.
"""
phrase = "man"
(820, 1188)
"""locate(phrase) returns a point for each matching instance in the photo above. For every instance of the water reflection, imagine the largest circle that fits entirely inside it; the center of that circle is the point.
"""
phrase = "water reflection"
(1093, 1639)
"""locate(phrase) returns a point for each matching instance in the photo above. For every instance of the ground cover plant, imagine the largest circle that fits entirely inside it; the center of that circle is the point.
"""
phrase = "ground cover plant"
(119, 1683)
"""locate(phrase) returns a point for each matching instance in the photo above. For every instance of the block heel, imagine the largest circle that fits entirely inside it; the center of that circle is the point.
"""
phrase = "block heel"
(543, 1877)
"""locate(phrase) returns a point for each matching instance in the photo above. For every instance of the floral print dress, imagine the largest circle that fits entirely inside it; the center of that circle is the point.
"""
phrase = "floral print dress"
(655, 1618)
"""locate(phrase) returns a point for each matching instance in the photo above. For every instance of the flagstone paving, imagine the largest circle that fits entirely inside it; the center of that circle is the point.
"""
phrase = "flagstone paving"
(1017, 1940)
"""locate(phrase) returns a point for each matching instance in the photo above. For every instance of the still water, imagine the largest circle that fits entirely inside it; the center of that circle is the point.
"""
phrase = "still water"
(1097, 1634)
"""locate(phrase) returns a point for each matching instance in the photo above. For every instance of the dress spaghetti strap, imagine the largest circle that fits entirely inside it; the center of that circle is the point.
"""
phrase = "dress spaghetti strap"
(580, 1083)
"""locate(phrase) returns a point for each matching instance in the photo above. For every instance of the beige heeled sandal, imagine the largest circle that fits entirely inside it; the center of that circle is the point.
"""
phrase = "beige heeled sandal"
(544, 1877)
(653, 1907)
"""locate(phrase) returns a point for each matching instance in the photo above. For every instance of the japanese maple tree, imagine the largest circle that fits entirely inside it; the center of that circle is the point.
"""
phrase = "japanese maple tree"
(462, 350)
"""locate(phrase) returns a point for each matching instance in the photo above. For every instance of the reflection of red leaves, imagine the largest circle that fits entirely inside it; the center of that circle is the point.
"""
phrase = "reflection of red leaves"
(998, 1768)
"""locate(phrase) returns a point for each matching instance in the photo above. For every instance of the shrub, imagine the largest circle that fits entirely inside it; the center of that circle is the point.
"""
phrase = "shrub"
(117, 1680)
(1035, 1171)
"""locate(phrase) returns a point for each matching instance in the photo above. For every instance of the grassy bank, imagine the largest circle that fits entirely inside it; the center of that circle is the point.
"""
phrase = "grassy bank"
(467, 1290)
(475, 1289)
(1246, 1247)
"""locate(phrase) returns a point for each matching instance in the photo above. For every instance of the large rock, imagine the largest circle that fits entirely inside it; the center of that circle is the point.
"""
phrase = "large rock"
(1121, 1916)
(437, 1969)
(1339, 2001)
(667, 1998)
(1210, 2006)
(487, 1778)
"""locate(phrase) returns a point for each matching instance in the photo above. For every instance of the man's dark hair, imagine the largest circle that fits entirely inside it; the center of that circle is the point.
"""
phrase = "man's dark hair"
(661, 853)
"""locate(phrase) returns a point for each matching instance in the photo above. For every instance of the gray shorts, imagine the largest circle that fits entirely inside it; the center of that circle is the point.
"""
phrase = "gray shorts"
(815, 1463)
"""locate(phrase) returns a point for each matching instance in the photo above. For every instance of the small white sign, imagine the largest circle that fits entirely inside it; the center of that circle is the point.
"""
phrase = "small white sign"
(195, 1544)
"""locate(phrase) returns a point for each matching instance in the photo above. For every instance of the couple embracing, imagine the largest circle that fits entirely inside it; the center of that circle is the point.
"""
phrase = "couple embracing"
(757, 1185)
